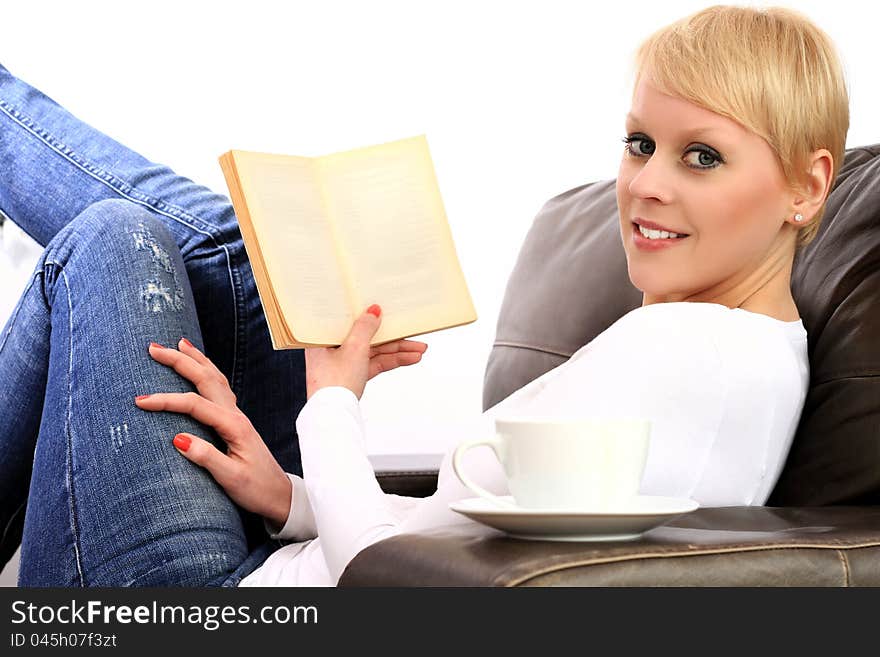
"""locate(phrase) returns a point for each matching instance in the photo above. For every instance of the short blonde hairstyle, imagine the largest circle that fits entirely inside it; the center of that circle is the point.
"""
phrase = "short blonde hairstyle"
(769, 69)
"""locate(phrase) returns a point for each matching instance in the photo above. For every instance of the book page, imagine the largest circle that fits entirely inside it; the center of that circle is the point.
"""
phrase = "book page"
(296, 241)
(395, 238)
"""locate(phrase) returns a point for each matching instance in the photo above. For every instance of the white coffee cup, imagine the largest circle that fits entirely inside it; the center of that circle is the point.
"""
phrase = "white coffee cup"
(577, 464)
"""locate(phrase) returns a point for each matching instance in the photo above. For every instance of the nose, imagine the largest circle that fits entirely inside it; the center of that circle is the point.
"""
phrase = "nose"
(651, 179)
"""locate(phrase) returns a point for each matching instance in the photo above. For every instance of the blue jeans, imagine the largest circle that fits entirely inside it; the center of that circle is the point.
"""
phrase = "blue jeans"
(90, 484)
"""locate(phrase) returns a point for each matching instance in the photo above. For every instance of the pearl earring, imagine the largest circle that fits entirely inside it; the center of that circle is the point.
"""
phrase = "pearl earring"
(799, 217)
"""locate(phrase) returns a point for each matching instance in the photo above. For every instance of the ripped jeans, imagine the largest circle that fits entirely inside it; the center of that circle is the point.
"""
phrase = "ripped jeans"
(90, 485)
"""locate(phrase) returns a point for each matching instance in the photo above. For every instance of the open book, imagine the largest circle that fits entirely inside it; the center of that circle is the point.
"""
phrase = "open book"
(329, 236)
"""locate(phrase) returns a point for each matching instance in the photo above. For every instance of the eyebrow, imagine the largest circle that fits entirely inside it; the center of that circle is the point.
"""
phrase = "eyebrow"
(686, 133)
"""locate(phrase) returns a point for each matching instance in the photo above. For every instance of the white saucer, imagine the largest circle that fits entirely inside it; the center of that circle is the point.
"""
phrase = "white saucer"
(623, 523)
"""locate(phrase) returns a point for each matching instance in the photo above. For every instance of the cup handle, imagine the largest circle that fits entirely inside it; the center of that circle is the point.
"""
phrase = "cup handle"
(495, 444)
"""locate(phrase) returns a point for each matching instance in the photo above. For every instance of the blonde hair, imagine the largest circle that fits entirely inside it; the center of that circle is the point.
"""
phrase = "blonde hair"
(770, 69)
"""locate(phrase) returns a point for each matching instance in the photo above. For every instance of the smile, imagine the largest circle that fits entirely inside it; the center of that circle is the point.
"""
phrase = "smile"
(647, 239)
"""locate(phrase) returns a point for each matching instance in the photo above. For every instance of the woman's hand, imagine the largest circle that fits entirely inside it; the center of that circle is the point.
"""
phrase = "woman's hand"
(354, 362)
(248, 472)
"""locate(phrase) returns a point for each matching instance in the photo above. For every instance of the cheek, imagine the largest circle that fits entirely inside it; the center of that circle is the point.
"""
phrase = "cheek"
(622, 189)
(725, 213)
(747, 221)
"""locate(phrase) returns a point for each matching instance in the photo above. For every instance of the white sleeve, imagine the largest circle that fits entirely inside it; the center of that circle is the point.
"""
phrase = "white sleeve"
(334, 415)
(300, 525)
(350, 509)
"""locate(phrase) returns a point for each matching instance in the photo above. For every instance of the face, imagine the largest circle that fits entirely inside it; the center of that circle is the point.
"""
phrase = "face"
(693, 172)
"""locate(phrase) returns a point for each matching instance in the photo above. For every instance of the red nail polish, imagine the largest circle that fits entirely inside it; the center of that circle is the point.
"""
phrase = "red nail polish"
(375, 309)
(157, 345)
(182, 442)
(186, 342)
(139, 397)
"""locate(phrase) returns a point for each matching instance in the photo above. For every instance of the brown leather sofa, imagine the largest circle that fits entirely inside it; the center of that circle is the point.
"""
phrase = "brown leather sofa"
(821, 526)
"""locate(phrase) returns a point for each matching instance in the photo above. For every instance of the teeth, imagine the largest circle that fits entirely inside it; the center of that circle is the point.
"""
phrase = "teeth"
(652, 234)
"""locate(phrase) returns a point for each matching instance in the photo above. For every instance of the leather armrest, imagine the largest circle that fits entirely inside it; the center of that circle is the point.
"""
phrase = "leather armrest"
(411, 484)
(731, 546)
(413, 475)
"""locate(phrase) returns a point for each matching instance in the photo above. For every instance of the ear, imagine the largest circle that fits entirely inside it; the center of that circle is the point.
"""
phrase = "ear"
(818, 186)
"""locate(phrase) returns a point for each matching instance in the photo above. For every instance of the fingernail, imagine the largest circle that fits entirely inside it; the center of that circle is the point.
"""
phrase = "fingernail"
(186, 342)
(157, 345)
(139, 397)
(182, 442)
(375, 309)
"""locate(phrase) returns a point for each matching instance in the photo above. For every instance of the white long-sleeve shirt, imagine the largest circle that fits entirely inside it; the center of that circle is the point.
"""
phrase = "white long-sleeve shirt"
(723, 388)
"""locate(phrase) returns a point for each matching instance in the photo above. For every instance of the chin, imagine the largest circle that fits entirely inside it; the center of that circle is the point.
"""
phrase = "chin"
(653, 286)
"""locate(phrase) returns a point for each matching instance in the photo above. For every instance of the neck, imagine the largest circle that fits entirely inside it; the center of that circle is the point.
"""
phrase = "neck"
(765, 289)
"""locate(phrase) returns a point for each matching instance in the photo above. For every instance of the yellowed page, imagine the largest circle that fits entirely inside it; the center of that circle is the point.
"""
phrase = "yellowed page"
(395, 237)
(296, 243)
(277, 329)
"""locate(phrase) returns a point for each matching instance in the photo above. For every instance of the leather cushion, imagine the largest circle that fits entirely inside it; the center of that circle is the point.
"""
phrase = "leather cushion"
(732, 546)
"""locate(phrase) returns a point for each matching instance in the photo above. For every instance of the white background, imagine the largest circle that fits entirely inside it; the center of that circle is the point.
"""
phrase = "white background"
(520, 101)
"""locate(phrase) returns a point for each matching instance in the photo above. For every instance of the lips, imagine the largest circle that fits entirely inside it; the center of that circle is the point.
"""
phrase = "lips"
(654, 226)
(646, 244)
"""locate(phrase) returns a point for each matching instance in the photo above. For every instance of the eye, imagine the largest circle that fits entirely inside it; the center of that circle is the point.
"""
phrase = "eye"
(629, 142)
(706, 157)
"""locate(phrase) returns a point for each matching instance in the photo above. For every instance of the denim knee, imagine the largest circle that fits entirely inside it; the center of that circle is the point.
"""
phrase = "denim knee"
(108, 231)
(111, 220)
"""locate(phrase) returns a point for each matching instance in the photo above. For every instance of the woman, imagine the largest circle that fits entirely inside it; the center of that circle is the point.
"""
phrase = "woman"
(734, 139)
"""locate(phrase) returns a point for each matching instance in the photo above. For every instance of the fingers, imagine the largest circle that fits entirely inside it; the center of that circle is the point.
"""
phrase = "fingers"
(187, 347)
(194, 366)
(364, 329)
(203, 453)
(199, 451)
(229, 424)
(399, 346)
(183, 364)
(387, 362)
